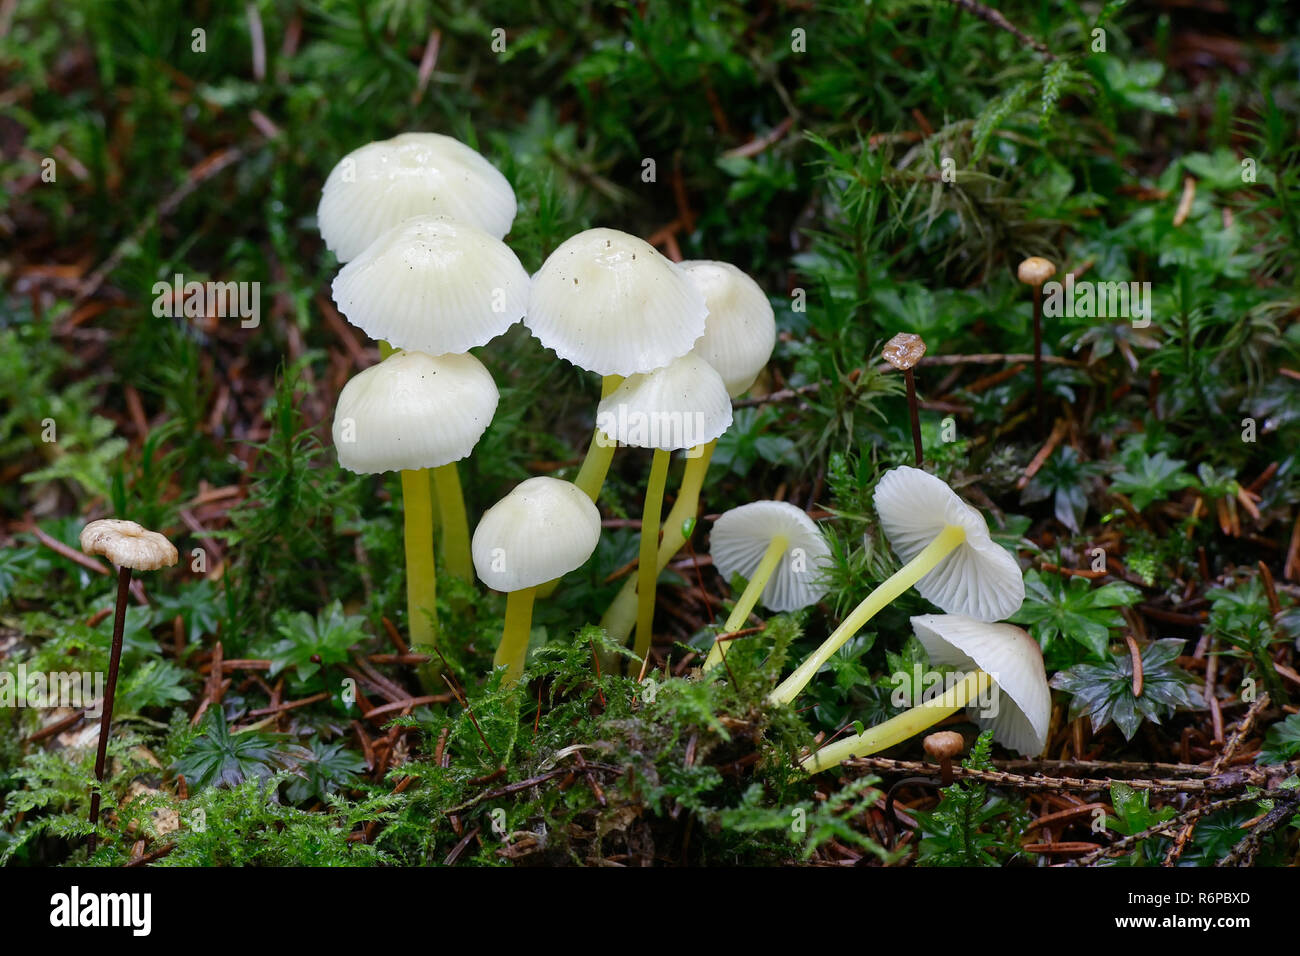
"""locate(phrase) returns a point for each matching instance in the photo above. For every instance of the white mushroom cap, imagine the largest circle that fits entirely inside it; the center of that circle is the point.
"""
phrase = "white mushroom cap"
(128, 545)
(979, 578)
(433, 285)
(611, 304)
(375, 187)
(543, 529)
(1009, 656)
(740, 330)
(741, 537)
(413, 411)
(681, 405)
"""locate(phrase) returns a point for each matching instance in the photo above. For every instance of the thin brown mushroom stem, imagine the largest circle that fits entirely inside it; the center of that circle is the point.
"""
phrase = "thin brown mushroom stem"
(903, 351)
(910, 378)
(110, 689)
(942, 747)
(1033, 272)
(1038, 355)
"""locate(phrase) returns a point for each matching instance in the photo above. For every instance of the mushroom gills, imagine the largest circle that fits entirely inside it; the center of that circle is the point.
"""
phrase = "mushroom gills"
(947, 541)
(748, 598)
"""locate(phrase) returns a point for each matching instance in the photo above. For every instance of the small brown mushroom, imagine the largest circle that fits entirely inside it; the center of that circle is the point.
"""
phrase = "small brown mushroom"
(903, 351)
(942, 747)
(1033, 272)
(130, 547)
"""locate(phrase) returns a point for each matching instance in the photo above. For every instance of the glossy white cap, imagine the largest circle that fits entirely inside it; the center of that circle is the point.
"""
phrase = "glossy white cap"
(413, 411)
(376, 186)
(610, 303)
(740, 330)
(433, 285)
(543, 529)
(681, 405)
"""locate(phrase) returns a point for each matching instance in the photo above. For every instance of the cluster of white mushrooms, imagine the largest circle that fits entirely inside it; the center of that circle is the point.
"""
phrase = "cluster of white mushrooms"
(419, 223)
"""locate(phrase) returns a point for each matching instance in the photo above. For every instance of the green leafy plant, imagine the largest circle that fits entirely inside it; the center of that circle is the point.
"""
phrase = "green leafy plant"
(1282, 742)
(308, 644)
(970, 827)
(1104, 692)
(220, 757)
(1133, 814)
(1066, 479)
(1058, 607)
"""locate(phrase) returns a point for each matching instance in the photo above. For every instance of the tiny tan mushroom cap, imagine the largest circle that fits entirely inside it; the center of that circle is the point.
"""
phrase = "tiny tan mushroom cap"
(612, 304)
(542, 530)
(682, 405)
(740, 330)
(1009, 656)
(1035, 270)
(944, 745)
(128, 545)
(904, 350)
(979, 577)
(741, 536)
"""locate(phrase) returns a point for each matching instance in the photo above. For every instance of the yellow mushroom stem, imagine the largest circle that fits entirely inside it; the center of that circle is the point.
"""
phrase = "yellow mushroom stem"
(647, 573)
(620, 616)
(748, 598)
(905, 725)
(905, 577)
(421, 578)
(595, 466)
(513, 648)
(591, 476)
(455, 526)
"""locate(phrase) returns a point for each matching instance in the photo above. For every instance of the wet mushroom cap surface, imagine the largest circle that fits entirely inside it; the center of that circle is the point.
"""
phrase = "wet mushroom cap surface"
(541, 530)
(128, 545)
(433, 285)
(376, 186)
(904, 350)
(740, 330)
(681, 405)
(611, 303)
(413, 411)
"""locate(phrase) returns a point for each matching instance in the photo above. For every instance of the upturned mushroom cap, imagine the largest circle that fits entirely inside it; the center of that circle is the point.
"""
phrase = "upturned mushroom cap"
(741, 536)
(128, 545)
(740, 329)
(433, 285)
(375, 187)
(611, 304)
(543, 529)
(681, 405)
(978, 578)
(904, 350)
(1009, 656)
(1035, 270)
(413, 411)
